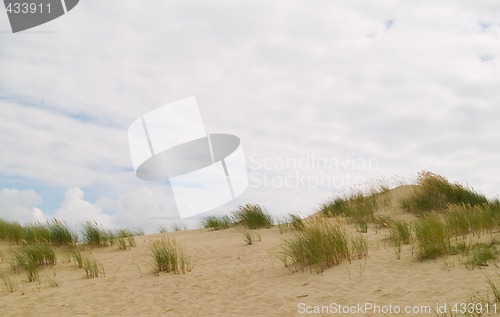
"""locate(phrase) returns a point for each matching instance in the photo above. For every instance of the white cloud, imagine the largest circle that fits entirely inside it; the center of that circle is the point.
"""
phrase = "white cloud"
(288, 79)
(38, 215)
(75, 210)
(145, 209)
(19, 205)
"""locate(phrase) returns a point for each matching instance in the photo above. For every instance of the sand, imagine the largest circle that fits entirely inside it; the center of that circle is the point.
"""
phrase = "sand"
(230, 278)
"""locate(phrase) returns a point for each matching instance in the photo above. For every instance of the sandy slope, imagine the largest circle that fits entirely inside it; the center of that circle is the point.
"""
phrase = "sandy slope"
(230, 278)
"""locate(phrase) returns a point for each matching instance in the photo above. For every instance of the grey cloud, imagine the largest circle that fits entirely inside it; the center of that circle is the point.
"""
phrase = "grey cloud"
(286, 78)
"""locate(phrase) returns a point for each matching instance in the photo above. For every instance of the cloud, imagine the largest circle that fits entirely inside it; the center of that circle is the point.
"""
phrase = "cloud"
(288, 79)
(19, 205)
(75, 210)
(145, 209)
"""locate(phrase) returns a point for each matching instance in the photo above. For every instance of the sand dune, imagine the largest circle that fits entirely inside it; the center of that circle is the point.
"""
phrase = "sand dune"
(230, 278)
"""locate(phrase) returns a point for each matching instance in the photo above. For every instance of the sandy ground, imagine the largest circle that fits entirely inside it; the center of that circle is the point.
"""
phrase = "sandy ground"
(230, 278)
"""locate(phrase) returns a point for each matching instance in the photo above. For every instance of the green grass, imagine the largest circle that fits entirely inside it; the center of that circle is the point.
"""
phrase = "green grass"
(217, 222)
(357, 206)
(291, 223)
(361, 225)
(178, 227)
(162, 229)
(253, 217)
(78, 258)
(60, 234)
(32, 258)
(125, 238)
(476, 220)
(359, 247)
(434, 233)
(95, 235)
(93, 268)
(495, 288)
(400, 234)
(481, 254)
(169, 256)
(296, 222)
(433, 237)
(11, 231)
(53, 232)
(251, 237)
(435, 193)
(36, 233)
(320, 245)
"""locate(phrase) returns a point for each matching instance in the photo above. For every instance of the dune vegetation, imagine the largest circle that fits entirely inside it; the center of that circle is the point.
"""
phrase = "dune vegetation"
(431, 220)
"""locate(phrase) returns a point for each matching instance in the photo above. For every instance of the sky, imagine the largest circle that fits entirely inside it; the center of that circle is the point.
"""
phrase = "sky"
(325, 96)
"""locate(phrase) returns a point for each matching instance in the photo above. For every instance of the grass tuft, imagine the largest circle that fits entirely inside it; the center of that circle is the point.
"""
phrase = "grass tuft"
(251, 237)
(178, 227)
(481, 254)
(253, 217)
(169, 256)
(435, 193)
(162, 229)
(60, 234)
(296, 222)
(495, 288)
(125, 238)
(77, 256)
(31, 258)
(356, 206)
(93, 268)
(400, 234)
(320, 245)
(96, 235)
(433, 237)
(359, 247)
(217, 222)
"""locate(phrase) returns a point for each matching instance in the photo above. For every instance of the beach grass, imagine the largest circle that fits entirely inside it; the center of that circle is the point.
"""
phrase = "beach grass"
(359, 246)
(358, 207)
(54, 232)
(400, 234)
(296, 222)
(494, 286)
(162, 229)
(215, 222)
(11, 231)
(319, 246)
(435, 193)
(60, 234)
(250, 237)
(481, 255)
(33, 257)
(433, 237)
(169, 256)
(96, 235)
(178, 227)
(253, 216)
(78, 258)
(125, 238)
(93, 268)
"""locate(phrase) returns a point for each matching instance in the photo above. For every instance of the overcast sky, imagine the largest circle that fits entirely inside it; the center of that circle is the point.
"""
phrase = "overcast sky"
(324, 95)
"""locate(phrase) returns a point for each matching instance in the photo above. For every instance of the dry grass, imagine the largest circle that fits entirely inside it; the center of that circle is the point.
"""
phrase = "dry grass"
(169, 256)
